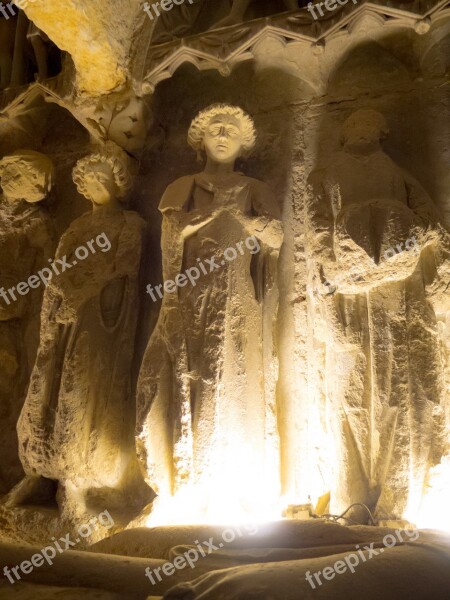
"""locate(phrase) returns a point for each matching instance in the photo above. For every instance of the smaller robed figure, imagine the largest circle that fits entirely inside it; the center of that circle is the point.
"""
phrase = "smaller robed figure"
(26, 244)
(76, 427)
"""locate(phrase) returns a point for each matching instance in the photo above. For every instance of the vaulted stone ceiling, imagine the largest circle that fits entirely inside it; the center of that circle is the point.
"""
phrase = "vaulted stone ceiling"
(99, 35)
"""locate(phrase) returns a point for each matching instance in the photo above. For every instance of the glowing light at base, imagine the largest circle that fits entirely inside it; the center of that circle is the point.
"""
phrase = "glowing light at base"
(187, 507)
(237, 484)
(432, 511)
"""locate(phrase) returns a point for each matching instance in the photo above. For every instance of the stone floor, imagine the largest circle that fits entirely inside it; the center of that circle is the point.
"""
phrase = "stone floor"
(265, 562)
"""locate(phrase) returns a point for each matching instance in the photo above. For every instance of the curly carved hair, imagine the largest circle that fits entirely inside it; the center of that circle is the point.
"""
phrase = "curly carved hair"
(198, 126)
(112, 155)
(28, 162)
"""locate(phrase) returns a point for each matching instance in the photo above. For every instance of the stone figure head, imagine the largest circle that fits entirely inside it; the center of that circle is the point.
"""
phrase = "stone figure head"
(105, 175)
(364, 128)
(223, 132)
(26, 175)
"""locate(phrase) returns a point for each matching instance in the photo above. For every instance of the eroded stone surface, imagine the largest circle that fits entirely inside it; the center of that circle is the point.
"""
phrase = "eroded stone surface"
(266, 582)
(247, 566)
(209, 373)
(93, 36)
(77, 430)
(26, 239)
(375, 241)
(355, 373)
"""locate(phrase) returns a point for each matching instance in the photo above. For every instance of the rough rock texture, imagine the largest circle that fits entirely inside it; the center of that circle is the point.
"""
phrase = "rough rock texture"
(26, 240)
(98, 40)
(387, 576)
(324, 361)
(377, 247)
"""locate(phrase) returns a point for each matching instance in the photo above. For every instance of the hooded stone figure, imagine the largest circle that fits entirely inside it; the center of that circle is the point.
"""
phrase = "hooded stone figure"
(26, 244)
(76, 426)
(383, 368)
(207, 423)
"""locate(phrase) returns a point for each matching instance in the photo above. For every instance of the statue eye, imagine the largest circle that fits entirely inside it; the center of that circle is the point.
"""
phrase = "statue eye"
(232, 131)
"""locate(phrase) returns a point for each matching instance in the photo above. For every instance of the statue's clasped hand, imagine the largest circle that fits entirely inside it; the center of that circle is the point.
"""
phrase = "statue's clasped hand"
(324, 285)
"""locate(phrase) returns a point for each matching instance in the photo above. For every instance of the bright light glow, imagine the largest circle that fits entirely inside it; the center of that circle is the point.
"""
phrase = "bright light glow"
(181, 509)
(237, 490)
(187, 508)
(432, 512)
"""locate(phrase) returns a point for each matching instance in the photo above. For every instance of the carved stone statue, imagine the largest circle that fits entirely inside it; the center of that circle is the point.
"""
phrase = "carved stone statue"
(207, 423)
(25, 245)
(373, 239)
(77, 423)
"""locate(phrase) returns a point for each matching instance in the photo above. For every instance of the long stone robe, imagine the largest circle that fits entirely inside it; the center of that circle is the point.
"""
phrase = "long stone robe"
(206, 392)
(76, 424)
(26, 242)
(383, 367)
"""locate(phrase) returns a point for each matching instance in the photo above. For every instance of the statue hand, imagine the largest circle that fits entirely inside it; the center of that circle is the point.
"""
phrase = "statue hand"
(443, 237)
(39, 234)
(195, 221)
(65, 313)
(269, 230)
(325, 282)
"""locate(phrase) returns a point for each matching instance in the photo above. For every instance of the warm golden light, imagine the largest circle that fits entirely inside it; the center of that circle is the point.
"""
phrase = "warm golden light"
(188, 508)
(430, 511)
(229, 495)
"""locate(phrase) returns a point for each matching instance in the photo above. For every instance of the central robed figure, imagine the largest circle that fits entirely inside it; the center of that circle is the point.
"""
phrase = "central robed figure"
(207, 417)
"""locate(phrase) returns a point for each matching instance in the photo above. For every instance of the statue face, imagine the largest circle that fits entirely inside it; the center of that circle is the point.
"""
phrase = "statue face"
(223, 139)
(361, 133)
(20, 182)
(99, 184)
